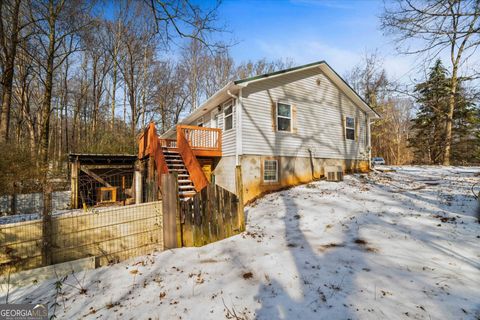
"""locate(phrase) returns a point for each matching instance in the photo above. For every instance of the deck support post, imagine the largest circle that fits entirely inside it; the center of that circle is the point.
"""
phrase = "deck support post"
(239, 187)
(138, 185)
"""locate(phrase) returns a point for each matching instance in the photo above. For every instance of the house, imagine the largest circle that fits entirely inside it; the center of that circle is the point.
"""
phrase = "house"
(283, 128)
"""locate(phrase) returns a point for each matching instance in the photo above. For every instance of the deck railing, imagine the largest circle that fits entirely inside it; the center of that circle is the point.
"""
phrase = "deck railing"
(197, 176)
(169, 143)
(192, 141)
(150, 145)
(203, 140)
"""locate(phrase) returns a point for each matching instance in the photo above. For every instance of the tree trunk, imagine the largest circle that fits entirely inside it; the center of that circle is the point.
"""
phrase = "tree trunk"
(65, 106)
(114, 89)
(95, 99)
(25, 110)
(7, 77)
(47, 98)
(449, 118)
(133, 108)
(125, 104)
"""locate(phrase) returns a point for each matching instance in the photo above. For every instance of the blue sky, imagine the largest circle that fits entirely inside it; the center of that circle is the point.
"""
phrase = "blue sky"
(340, 32)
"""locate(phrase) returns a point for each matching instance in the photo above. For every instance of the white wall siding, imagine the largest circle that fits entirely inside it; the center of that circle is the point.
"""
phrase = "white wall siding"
(320, 108)
(228, 137)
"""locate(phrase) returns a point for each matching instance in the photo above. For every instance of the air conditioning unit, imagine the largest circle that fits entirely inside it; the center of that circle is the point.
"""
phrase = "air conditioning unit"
(334, 173)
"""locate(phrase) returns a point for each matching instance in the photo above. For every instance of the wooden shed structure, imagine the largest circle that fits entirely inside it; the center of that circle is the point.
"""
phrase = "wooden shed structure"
(98, 179)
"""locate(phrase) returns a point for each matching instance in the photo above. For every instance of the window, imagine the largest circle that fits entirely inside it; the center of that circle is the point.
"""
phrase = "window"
(214, 121)
(270, 171)
(200, 122)
(228, 117)
(350, 128)
(284, 117)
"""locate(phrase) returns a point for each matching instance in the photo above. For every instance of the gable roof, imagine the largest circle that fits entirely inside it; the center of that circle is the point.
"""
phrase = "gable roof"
(325, 67)
(232, 88)
(267, 75)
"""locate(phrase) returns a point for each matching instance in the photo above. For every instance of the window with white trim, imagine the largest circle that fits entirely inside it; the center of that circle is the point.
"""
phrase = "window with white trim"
(215, 120)
(228, 116)
(350, 128)
(284, 117)
(270, 170)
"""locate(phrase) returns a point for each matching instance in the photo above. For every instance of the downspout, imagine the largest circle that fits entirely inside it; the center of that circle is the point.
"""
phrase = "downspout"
(369, 141)
(238, 117)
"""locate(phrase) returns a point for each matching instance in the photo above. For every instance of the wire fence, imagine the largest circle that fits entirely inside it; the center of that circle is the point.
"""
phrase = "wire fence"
(108, 234)
(31, 203)
(105, 186)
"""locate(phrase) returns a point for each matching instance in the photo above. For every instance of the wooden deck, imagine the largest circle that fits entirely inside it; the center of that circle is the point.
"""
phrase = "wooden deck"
(191, 142)
(204, 142)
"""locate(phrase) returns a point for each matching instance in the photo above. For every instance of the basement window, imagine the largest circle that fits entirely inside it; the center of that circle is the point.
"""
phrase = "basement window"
(228, 117)
(270, 171)
(350, 128)
(284, 117)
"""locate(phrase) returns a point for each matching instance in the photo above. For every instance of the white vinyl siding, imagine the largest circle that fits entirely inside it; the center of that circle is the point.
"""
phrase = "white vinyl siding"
(319, 125)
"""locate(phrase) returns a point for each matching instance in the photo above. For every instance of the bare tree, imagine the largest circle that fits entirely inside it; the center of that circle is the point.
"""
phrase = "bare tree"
(193, 59)
(113, 46)
(101, 64)
(433, 27)
(186, 19)
(262, 66)
(370, 79)
(69, 62)
(58, 24)
(11, 24)
(390, 133)
(220, 69)
(171, 95)
(138, 36)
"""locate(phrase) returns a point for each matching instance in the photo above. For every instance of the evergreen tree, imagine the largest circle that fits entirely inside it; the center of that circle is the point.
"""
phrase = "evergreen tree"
(466, 130)
(428, 123)
(428, 140)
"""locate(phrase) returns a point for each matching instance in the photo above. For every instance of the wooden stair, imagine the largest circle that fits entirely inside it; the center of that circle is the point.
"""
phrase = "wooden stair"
(174, 161)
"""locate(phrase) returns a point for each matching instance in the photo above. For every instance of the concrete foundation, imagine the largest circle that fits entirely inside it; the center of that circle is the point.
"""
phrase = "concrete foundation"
(225, 173)
(291, 171)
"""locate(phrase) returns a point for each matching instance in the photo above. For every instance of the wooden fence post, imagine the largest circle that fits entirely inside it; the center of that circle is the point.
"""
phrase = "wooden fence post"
(47, 226)
(74, 184)
(138, 183)
(170, 211)
(239, 187)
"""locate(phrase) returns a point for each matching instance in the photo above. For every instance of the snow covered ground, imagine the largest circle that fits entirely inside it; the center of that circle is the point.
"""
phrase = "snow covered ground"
(391, 245)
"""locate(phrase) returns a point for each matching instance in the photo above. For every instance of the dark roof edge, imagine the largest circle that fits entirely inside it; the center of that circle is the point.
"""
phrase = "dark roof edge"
(266, 75)
(113, 155)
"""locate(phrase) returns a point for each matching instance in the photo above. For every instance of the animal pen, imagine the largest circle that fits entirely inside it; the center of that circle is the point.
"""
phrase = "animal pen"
(101, 179)
(125, 205)
(112, 234)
